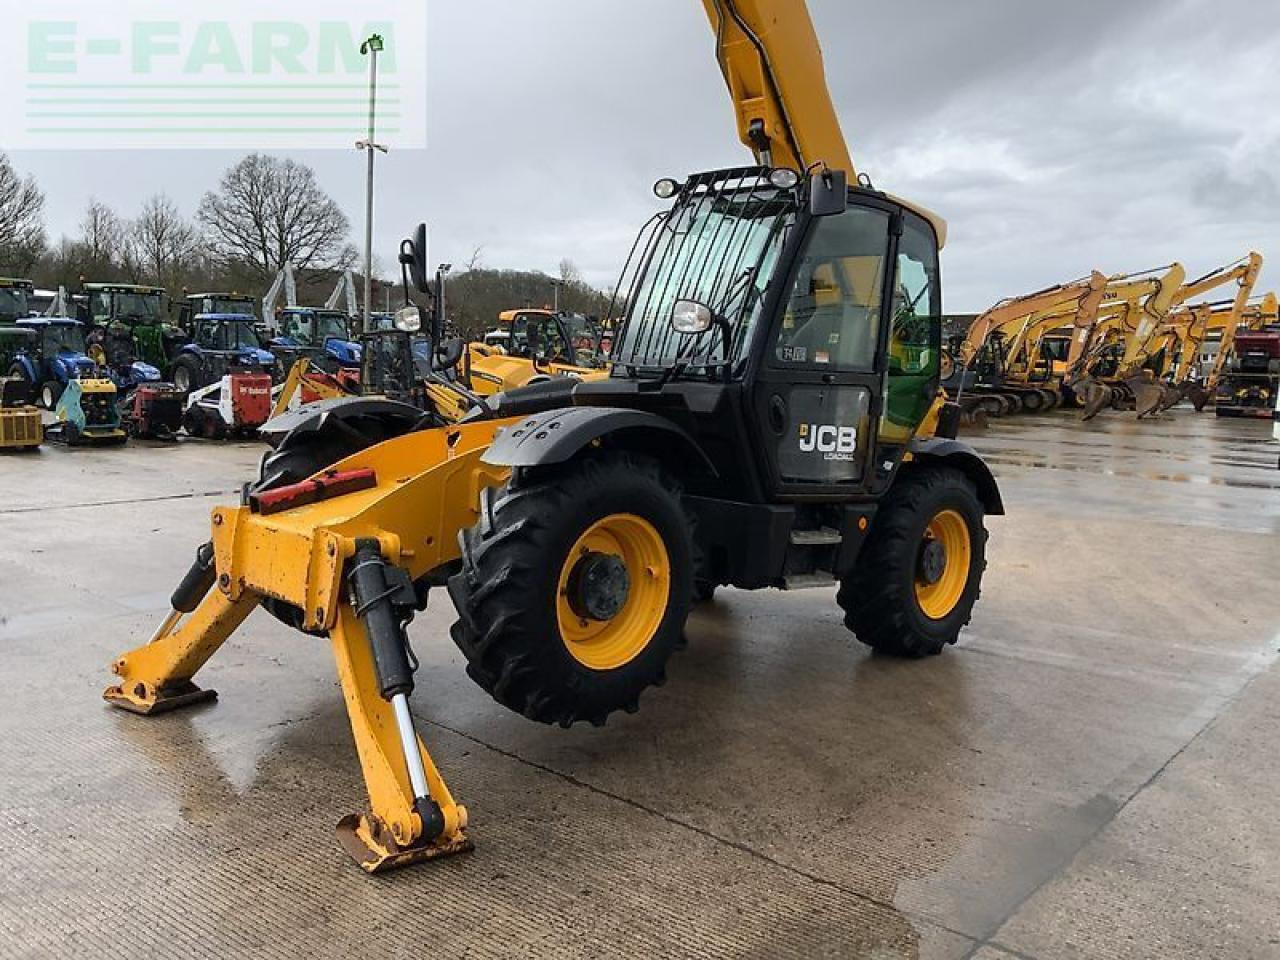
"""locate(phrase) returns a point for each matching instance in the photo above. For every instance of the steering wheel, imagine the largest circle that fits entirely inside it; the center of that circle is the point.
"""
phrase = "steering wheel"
(449, 353)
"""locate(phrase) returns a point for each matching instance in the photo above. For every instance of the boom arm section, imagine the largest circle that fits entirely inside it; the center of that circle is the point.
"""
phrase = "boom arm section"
(770, 57)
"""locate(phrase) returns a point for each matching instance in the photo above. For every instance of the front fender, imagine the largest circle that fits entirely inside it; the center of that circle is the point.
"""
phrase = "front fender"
(557, 436)
(397, 417)
(953, 453)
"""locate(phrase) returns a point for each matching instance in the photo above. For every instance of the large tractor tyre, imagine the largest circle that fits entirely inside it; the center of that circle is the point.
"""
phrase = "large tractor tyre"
(19, 372)
(186, 375)
(919, 573)
(574, 590)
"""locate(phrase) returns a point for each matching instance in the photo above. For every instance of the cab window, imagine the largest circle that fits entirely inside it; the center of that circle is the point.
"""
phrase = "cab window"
(100, 307)
(832, 316)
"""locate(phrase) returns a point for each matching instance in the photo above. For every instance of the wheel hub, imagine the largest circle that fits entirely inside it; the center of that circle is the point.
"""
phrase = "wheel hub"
(599, 586)
(933, 561)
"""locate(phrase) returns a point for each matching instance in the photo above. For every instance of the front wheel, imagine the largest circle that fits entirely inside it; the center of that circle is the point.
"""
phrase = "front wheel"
(575, 588)
(50, 394)
(919, 573)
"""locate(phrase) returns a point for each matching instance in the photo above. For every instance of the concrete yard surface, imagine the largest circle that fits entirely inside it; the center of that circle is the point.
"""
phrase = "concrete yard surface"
(1090, 773)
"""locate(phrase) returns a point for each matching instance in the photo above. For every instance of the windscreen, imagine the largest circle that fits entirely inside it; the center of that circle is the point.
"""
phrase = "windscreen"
(718, 246)
(60, 337)
(13, 303)
(238, 305)
(224, 335)
(331, 326)
(144, 306)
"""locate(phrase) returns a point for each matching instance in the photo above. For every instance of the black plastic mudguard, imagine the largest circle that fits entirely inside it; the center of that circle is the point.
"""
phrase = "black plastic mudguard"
(556, 436)
(964, 458)
(314, 416)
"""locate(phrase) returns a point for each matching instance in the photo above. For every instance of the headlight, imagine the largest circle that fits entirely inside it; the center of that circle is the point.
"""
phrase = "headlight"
(665, 189)
(784, 178)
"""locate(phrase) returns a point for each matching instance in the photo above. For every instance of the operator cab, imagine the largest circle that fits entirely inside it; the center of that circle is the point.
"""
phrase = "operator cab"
(797, 319)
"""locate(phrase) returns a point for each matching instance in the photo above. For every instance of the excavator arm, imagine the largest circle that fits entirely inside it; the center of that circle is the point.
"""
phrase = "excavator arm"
(1016, 313)
(1146, 292)
(1144, 339)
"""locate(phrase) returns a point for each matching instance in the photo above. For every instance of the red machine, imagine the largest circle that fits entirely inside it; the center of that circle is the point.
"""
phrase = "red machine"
(156, 412)
(1249, 386)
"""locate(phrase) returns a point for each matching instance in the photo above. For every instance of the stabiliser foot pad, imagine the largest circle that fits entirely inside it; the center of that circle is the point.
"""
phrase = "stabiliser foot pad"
(173, 698)
(371, 845)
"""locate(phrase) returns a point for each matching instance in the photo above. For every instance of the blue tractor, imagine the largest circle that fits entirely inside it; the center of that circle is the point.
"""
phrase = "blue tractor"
(56, 356)
(318, 334)
(218, 344)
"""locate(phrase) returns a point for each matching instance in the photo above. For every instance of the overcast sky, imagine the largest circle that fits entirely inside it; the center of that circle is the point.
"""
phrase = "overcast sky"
(1055, 137)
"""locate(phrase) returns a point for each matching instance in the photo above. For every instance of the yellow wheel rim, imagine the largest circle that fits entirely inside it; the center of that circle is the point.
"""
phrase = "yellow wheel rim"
(606, 644)
(938, 597)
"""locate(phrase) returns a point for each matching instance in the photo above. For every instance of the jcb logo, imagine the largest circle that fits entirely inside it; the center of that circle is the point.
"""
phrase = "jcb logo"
(834, 443)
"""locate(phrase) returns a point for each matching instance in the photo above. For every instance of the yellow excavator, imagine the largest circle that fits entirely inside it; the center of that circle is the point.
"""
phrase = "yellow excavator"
(1119, 374)
(1130, 299)
(979, 364)
(772, 418)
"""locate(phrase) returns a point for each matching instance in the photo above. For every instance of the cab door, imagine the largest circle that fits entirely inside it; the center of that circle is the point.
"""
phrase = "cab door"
(816, 391)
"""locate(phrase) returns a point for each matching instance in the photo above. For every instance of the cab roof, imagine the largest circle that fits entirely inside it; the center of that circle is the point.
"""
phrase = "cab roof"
(123, 288)
(13, 283)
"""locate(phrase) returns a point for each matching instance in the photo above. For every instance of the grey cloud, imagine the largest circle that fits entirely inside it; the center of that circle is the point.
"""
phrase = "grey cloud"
(1055, 137)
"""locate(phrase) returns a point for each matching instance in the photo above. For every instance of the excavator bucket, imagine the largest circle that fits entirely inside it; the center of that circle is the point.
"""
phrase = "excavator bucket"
(1097, 397)
(1148, 396)
(1198, 396)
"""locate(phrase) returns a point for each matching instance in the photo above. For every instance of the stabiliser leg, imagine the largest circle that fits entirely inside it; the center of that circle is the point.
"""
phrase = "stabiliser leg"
(413, 817)
(157, 677)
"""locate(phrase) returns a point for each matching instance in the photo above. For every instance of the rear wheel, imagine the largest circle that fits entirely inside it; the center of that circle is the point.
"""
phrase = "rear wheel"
(575, 588)
(19, 372)
(186, 375)
(920, 571)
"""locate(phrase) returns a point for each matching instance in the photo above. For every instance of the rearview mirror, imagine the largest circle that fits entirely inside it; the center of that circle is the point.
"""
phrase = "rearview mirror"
(408, 319)
(413, 254)
(828, 193)
(691, 317)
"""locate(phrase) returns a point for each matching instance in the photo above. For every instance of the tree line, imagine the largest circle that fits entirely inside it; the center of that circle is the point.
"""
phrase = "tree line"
(265, 212)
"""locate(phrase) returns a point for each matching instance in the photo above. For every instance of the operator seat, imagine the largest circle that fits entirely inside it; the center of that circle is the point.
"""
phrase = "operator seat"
(841, 330)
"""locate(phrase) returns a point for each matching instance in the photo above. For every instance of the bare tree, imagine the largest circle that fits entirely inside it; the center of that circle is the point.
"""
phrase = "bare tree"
(100, 246)
(477, 259)
(267, 212)
(22, 238)
(162, 244)
(570, 275)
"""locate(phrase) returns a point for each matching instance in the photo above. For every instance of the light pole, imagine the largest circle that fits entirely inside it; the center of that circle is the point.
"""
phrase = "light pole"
(371, 48)
(556, 285)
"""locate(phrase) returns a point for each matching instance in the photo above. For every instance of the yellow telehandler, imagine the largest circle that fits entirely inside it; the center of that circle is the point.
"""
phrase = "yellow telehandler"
(772, 418)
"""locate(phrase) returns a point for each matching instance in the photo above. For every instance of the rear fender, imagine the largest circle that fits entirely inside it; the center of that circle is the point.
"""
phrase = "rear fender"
(29, 368)
(557, 436)
(394, 418)
(937, 451)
